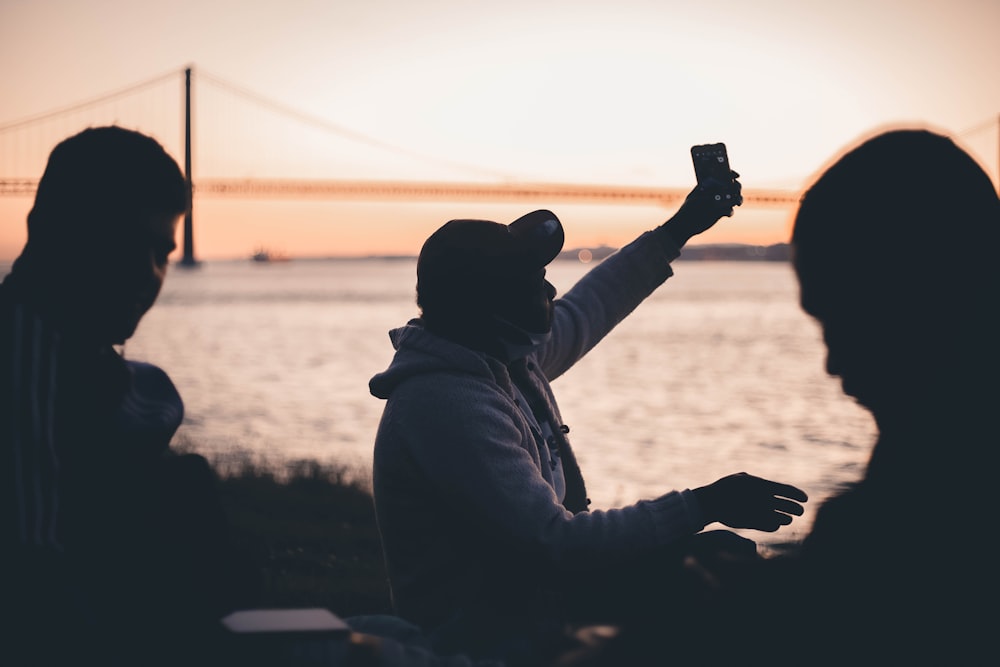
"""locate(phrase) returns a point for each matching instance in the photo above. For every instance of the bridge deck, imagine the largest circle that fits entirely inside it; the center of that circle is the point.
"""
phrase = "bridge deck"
(440, 191)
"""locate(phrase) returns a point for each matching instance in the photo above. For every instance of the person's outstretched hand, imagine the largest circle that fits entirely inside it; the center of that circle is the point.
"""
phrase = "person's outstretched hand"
(703, 207)
(746, 501)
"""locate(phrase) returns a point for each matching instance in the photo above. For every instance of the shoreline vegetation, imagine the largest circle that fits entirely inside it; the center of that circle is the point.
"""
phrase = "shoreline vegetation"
(715, 252)
(306, 533)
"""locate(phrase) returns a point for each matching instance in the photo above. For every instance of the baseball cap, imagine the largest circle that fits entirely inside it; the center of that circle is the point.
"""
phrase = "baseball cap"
(481, 252)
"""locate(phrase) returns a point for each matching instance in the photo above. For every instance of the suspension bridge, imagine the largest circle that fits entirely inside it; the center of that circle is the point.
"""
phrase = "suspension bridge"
(150, 106)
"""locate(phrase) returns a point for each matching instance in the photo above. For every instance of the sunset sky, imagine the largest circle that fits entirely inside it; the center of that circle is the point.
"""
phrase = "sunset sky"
(610, 93)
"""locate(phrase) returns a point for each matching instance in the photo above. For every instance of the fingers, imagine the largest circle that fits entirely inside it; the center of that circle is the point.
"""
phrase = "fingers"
(780, 513)
(784, 499)
(747, 501)
(788, 507)
(787, 491)
(770, 487)
(770, 521)
(737, 189)
(773, 522)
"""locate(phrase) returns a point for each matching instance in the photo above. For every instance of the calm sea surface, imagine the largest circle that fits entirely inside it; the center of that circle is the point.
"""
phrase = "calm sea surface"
(719, 371)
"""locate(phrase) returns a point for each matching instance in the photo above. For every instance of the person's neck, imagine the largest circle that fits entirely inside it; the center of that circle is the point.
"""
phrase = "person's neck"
(473, 333)
(951, 403)
(491, 335)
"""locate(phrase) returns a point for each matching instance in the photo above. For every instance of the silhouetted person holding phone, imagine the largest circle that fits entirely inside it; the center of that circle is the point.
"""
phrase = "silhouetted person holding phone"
(114, 546)
(489, 542)
(895, 248)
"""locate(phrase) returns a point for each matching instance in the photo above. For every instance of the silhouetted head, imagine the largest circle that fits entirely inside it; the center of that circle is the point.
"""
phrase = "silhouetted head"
(895, 250)
(471, 272)
(100, 231)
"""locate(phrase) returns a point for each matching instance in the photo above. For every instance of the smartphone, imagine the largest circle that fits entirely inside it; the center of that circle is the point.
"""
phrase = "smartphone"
(711, 161)
(711, 164)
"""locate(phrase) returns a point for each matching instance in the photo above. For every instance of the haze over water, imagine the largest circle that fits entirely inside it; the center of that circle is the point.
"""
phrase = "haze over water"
(718, 372)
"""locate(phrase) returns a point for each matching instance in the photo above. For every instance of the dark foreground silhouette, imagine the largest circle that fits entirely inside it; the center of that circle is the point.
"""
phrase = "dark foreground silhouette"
(899, 569)
(114, 544)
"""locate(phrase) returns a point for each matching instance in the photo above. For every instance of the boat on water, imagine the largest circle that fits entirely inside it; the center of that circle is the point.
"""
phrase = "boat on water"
(264, 255)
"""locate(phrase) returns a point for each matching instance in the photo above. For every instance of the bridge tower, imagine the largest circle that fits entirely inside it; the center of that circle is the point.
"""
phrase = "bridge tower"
(188, 258)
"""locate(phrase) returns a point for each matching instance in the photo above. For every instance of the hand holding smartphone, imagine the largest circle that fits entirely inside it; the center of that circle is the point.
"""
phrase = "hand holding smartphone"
(711, 168)
(715, 196)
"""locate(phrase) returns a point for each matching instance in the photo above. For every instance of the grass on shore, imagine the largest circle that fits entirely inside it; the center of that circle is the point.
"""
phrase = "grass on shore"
(307, 531)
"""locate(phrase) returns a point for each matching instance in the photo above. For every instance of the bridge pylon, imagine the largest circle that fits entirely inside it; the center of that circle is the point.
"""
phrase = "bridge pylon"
(188, 258)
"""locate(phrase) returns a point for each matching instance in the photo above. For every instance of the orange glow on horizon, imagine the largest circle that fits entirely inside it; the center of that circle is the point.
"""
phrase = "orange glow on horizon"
(229, 229)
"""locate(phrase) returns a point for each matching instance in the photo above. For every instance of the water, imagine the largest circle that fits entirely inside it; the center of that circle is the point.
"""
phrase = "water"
(718, 372)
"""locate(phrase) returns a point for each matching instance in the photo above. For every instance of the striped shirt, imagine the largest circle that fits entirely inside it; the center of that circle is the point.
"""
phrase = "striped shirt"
(48, 394)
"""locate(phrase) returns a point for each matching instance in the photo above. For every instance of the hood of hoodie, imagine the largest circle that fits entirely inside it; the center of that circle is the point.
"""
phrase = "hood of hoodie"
(419, 352)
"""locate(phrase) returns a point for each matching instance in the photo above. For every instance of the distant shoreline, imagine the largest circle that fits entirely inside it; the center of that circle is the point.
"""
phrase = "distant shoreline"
(728, 252)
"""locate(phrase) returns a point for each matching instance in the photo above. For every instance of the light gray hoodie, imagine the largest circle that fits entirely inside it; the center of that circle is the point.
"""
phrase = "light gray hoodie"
(465, 485)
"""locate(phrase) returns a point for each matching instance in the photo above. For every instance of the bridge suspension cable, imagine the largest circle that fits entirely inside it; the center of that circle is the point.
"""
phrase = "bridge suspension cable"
(341, 131)
(987, 124)
(102, 99)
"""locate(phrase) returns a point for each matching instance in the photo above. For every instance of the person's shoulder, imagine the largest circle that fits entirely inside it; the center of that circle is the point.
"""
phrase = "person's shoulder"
(436, 365)
(148, 374)
(151, 384)
(151, 410)
(455, 385)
